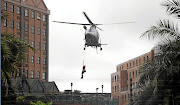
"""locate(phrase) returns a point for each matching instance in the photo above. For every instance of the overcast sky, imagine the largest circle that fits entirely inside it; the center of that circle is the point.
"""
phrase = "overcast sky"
(66, 41)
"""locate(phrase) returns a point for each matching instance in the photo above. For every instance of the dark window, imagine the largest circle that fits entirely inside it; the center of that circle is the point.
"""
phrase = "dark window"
(130, 64)
(133, 74)
(38, 45)
(147, 58)
(136, 62)
(127, 66)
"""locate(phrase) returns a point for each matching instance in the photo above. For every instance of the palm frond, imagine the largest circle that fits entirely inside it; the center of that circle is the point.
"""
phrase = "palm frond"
(172, 7)
(164, 30)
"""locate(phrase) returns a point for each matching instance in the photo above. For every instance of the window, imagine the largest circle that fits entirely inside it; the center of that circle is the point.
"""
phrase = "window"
(115, 88)
(44, 18)
(44, 75)
(147, 58)
(5, 6)
(38, 60)
(122, 67)
(32, 44)
(38, 74)
(38, 31)
(38, 45)
(44, 61)
(4, 22)
(125, 97)
(44, 46)
(32, 14)
(26, 73)
(44, 32)
(26, 12)
(18, 10)
(11, 8)
(127, 76)
(32, 29)
(133, 74)
(127, 66)
(38, 16)
(136, 62)
(130, 64)
(11, 24)
(122, 97)
(133, 63)
(115, 78)
(130, 75)
(139, 62)
(18, 25)
(32, 59)
(26, 60)
(32, 74)
(136, 73)
(144, 59)
(26, 28)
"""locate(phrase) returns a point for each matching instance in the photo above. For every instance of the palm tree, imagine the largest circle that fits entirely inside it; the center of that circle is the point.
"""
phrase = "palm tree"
(12, 53)
(159, 79)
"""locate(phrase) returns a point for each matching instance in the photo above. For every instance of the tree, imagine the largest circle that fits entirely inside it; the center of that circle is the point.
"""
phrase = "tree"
(159, 80)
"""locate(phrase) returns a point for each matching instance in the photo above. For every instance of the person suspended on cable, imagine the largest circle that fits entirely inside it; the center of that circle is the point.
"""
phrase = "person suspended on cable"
(83, 71)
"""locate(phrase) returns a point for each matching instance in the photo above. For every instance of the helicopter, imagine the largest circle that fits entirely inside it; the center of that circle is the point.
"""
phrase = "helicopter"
(91, 35)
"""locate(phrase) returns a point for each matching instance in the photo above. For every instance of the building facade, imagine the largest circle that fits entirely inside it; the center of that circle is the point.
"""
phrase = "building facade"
(28, 20)
(120, 80)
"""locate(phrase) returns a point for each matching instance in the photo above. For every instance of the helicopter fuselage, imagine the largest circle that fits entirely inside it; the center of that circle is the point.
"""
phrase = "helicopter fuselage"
(92, 37)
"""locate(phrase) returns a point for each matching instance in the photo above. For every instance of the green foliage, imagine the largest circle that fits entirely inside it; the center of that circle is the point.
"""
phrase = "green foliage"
(41, 103)
(160, 79)
(20, 99)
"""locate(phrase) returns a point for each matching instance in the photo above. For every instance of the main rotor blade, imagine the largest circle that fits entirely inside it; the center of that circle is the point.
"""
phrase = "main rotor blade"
(88, 18)
(116, 23)
(71, 23)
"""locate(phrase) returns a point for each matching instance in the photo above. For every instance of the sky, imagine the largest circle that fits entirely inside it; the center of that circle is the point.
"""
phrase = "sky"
(66, 54)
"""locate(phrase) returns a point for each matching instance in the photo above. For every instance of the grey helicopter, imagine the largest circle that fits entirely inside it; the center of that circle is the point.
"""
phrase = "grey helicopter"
(91, 35)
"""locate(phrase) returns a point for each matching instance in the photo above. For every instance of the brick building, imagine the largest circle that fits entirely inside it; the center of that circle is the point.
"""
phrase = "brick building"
(120, 80)
(28, 20)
